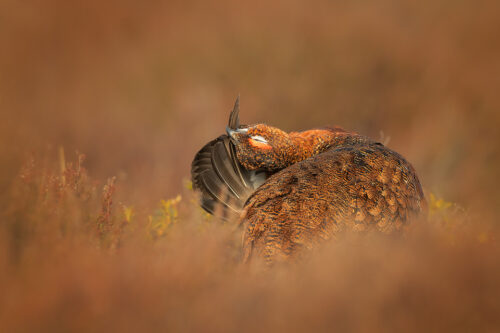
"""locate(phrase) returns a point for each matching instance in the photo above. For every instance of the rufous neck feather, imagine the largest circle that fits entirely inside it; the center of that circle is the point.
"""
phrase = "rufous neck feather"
(315, 141)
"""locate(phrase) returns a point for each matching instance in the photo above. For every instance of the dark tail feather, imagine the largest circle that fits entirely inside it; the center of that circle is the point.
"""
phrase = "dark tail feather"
(220, 178)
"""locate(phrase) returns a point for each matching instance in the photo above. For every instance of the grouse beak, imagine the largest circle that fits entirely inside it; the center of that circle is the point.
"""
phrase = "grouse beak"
(230, 132)
(233, 133)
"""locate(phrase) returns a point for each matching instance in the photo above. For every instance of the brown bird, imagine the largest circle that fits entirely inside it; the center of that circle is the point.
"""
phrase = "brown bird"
(293, 190)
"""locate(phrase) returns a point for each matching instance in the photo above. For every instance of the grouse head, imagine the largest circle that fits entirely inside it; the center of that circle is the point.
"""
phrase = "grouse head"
(259, 146)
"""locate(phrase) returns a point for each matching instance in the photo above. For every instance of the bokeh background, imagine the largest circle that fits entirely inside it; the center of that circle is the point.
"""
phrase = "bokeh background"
(139, 87)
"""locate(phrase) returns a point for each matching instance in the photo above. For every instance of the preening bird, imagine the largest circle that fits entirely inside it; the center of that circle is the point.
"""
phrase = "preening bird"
(292, 190)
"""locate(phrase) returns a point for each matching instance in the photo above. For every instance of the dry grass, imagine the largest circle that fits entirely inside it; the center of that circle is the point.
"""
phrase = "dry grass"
(140, 88)
(73, 259)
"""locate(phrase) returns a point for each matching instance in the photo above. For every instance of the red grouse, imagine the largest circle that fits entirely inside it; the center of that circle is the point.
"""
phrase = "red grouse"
(292, 190)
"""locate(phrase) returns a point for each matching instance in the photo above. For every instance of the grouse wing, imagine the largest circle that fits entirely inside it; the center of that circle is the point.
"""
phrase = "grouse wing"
(220, 178)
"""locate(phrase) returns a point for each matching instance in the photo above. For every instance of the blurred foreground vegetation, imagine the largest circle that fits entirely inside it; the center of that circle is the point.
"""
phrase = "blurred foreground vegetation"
(74, 259)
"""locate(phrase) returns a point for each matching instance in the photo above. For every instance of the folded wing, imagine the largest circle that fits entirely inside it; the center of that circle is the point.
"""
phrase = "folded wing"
(224, 184)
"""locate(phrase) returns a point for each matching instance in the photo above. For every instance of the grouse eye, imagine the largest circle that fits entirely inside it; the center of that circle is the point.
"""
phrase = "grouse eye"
(258, 138)
(259, 142)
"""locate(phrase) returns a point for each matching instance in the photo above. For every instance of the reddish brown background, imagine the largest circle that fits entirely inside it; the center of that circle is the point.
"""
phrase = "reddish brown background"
(139, 88)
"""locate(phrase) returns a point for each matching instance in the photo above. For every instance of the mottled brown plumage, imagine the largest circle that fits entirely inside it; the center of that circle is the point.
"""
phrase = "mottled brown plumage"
(312, 185)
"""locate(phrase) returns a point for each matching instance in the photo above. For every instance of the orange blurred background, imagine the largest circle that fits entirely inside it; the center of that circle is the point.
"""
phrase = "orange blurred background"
(140, 87)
